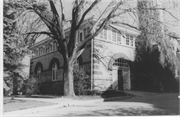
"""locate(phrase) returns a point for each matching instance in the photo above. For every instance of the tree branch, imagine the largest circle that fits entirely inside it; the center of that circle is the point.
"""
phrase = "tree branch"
(103, 24)
(87, 11)
(43, 32)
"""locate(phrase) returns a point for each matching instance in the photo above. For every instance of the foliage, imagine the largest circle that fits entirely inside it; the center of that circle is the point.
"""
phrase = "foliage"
(30, 86)
(13, 48)
(82, 81)
(155, 59)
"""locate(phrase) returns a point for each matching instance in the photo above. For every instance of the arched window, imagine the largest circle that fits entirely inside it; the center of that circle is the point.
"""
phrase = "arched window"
(39, 73)
(121, 63)
(54, 71)
(38, 70)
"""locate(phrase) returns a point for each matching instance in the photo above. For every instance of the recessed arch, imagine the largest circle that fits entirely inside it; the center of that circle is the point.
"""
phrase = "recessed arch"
(38, 65)
(54, 60)
(116, 56)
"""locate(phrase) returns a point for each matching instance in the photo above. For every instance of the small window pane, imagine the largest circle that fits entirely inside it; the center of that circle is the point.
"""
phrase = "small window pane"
(105, 34)
(119, 38)
(114, 36)
(127, 39)
(101, 34)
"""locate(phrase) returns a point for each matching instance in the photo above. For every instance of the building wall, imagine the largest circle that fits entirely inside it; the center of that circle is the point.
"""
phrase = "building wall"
(96, 59)
(104, 50)
(47, 85)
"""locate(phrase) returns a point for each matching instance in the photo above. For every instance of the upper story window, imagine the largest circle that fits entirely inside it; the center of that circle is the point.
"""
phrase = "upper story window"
(85, 32)
(127, 39)
(47, 49)
(40, 51)
(119, 38)
(50, 47)
(80, 35)
(101, 34)
(54, 46)
(109, 35)
(105, 33)
(114, 36)
(131, 40)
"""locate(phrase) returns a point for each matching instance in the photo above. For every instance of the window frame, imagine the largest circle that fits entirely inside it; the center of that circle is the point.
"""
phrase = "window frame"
(54, 71)
(38, 73)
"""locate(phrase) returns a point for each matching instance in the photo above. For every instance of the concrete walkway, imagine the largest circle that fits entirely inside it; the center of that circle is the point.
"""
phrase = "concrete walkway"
(59, 103)
(66, 102)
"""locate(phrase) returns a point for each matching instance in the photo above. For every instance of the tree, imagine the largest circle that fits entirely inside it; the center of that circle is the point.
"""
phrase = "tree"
(156, 60)
(13, 49)
(55, 19)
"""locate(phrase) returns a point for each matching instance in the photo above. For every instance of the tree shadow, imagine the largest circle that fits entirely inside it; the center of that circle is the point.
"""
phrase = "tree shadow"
(124, 112)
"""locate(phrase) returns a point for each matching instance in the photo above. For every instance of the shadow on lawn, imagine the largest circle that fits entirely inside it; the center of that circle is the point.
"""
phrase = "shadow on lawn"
(164, 101)
(124, 112)
(9, 100)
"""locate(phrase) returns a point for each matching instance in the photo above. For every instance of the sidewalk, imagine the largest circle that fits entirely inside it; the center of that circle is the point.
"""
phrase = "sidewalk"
(59, 103)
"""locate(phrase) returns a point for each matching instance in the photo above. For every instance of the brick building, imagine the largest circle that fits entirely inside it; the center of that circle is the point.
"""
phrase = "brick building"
(108, 58)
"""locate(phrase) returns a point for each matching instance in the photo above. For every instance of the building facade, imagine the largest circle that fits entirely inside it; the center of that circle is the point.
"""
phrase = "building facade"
(108, 58)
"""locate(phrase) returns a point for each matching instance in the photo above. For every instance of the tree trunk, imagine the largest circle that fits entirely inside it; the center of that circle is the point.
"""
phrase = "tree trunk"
(15, 85)
(68, 79)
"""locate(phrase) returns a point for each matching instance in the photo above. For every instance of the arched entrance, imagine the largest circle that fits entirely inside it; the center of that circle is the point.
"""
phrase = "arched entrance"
(120, 72)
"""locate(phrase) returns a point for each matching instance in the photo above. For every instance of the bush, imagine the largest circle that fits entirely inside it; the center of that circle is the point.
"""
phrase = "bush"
(30, 86)
(82, 81)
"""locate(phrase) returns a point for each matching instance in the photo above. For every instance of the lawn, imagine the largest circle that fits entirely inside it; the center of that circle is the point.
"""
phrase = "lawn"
(16, 104)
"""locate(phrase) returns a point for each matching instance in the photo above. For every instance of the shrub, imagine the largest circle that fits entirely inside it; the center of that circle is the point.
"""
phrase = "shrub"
(31, 86)
(82, 81)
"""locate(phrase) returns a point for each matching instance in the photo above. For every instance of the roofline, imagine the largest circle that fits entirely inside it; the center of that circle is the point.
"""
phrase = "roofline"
(121, 28)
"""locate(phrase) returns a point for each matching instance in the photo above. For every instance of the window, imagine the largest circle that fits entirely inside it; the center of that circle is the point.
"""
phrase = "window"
(105, 34)
(39, 73)
(109, 35)
(47, 49)
(114, 36)
(80, 35)
(44, 49)
(54, 71)
(85, 32)
(54, 46)
(119, 38)
(50, 47)
(121, 63)
(38, 52)
(88, 30)
(131, 41)
(127, 39)
(101, 34)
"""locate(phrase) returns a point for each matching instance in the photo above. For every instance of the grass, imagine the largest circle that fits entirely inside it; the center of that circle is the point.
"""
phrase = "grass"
(16, 104)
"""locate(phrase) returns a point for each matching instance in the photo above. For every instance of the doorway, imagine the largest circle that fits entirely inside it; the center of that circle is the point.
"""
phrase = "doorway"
(120, 79)
(121, 75)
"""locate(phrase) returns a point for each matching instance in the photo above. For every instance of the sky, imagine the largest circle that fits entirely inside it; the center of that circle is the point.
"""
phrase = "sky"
(171, 15)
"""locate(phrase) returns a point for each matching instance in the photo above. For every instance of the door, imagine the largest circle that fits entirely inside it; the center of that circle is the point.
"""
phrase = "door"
(120, 79)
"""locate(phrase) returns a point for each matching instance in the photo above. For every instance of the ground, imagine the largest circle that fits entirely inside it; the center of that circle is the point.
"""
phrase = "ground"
(16, 104)
(142, 104)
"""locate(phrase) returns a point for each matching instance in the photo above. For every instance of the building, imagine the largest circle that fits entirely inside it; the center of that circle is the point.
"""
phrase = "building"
(108, 58)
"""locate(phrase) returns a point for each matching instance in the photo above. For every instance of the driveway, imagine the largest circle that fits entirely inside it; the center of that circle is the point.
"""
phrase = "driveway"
(142, 104)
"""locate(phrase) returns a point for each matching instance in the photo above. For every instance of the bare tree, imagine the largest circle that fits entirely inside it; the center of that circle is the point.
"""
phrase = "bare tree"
(70, 48)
